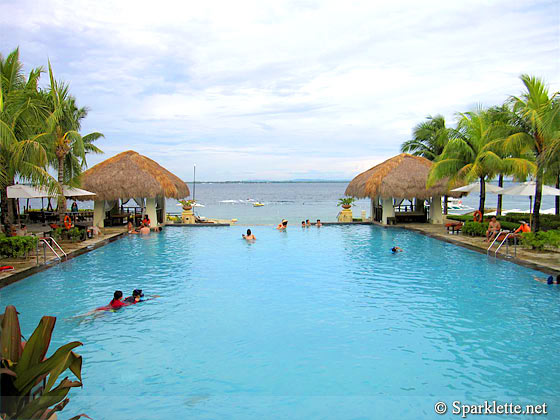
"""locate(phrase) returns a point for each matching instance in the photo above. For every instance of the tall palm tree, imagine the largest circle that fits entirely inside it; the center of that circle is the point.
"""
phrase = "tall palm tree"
(429, 138)
(539, 115)
(22, 152)
(67, 147)
(468, 157)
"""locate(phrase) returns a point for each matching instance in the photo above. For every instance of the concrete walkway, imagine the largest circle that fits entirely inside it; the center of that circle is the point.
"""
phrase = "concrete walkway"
(24, 267)
(547, 261)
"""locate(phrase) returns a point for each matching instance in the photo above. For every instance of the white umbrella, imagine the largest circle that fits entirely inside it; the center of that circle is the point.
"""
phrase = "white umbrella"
(528, 189)
(475, 187)
(27, 191)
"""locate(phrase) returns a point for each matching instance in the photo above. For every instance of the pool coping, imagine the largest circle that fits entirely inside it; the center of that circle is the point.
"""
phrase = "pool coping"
(20, 275)
(515, 260)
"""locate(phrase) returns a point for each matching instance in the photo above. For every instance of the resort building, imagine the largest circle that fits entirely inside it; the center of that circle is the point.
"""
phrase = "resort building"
(131, 176)
(402, 177)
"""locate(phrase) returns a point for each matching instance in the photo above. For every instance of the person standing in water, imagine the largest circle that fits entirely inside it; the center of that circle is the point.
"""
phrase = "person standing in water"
(283, 225)
(249, 236)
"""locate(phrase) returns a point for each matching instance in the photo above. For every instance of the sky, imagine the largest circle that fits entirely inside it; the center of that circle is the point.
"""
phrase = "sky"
(279, 90)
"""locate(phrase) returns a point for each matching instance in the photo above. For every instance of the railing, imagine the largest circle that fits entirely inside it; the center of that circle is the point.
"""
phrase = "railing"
(504, 240)
(45, 241)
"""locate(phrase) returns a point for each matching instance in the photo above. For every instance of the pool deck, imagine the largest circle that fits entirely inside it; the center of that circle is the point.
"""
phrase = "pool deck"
(546, 261)
(24, 267)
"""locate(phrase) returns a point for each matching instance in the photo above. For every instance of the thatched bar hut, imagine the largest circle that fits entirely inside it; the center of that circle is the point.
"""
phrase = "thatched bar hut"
(401, 177)
(131, 175)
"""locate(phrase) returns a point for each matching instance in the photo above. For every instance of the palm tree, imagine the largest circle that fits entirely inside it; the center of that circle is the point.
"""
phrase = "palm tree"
(429, 138)
(468, 157)
(22, 153)
(538, 115)
(67, 147)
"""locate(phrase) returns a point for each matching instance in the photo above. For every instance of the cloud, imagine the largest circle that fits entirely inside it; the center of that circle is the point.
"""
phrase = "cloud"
(280, 89)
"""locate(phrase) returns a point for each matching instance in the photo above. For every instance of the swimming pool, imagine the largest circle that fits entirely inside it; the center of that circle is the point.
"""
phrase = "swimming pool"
(308, 323)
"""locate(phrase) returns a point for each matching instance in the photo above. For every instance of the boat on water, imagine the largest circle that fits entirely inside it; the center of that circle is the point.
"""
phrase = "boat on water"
(257, 204)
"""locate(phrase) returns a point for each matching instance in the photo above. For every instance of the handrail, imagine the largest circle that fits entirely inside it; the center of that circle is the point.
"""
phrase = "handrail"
(504, 240)
(45, 242)
(495, 239)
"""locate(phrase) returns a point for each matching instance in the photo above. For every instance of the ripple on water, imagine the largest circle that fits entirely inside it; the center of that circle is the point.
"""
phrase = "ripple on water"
(309, 323)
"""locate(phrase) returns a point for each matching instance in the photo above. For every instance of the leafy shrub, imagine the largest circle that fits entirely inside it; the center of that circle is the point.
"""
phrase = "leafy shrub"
(57, 233)
(475, 228)
(541, 239)
(17, 246)
(75, 233)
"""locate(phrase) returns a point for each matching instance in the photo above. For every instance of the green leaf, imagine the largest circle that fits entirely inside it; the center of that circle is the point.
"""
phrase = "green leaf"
(11, 335)
(38, 344)
(27, 378)
(36, 407)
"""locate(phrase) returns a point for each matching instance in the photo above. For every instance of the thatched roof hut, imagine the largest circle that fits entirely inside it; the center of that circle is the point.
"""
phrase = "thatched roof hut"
(129, 174)
(402, 176)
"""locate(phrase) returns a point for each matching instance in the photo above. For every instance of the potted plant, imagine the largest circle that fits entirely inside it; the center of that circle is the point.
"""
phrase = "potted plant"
(187, 204)
(346, 202)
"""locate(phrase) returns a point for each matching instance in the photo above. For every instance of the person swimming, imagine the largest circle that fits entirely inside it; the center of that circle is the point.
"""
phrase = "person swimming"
(396, 249)
(282, 225)
(548, 280)
(318, 224)
(117, 302)
(136, 297)
(249, 236)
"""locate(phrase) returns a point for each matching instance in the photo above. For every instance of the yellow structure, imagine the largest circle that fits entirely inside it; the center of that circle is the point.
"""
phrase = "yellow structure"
(345, 216)
(187, 217)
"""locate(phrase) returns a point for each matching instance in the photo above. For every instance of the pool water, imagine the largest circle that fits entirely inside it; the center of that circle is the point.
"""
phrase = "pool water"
(309, 323)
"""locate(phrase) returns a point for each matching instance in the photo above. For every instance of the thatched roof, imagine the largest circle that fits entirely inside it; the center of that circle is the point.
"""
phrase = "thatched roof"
(129, 174)
(402, 176)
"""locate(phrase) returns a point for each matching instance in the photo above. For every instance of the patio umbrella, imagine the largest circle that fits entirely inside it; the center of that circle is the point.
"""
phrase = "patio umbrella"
(28, 191)
(528, 189)
(475, 187)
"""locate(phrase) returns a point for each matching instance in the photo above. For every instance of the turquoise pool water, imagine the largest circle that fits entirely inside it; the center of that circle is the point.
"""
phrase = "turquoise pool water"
(308, 323)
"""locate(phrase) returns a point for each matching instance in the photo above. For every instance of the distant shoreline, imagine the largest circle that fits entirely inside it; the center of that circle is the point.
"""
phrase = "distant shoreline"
(273, 182)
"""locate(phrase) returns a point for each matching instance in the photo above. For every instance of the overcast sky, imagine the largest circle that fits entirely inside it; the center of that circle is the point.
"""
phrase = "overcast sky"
(280, 89)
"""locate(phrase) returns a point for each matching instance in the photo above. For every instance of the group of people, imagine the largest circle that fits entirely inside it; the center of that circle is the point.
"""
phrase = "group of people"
(307, 223)
(143, 229)
(494, 227)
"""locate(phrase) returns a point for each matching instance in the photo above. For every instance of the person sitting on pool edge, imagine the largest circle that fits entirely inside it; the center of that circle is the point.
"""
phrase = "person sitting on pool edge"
(283, 225)
(318, 224)
(549, 280)
(146, 221)
(249, 236)
(524, 228)
(396, 249)
(494, 228)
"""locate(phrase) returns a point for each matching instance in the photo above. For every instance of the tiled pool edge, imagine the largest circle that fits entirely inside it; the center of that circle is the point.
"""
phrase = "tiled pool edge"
(20, 275)
(518, 261)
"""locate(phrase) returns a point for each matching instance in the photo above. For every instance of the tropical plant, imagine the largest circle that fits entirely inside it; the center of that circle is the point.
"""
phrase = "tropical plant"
(346, 201)
(539, 119)
(17, 246)
(24, 367)
(429, 138)
(67, 147)
(22, 111)
(468, 155)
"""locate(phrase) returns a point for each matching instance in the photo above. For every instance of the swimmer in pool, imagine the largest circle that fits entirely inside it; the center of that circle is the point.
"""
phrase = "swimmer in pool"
(249, 236)
(283, 225)
(396, 249)
(318, 224)
(549, 280)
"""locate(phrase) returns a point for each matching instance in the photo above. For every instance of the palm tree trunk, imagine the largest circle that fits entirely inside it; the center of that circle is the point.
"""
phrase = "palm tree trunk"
(538, 197)
(500, 184)
(61, 199)
(4, 208)
(482, 195)
(557, 198)
(445, 204)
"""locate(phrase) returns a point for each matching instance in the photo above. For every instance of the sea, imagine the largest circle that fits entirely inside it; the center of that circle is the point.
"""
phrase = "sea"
(298, 201)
